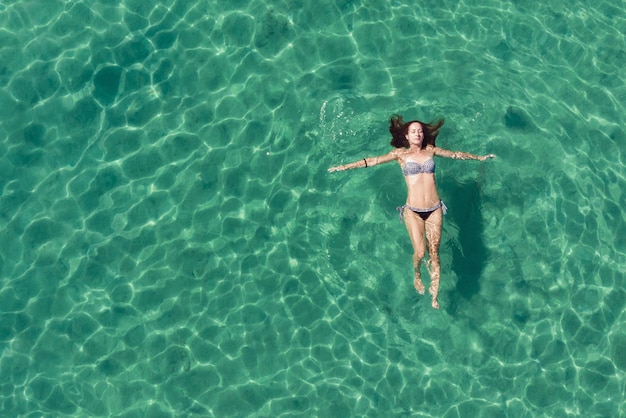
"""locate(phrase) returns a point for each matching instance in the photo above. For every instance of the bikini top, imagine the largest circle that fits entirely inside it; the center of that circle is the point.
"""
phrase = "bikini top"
(411, 167)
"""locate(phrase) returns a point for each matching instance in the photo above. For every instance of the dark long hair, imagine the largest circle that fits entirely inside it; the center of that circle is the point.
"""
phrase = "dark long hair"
(398, 129)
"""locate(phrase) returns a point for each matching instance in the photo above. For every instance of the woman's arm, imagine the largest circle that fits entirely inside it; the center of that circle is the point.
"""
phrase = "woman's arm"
(366, 162)
(459, 155)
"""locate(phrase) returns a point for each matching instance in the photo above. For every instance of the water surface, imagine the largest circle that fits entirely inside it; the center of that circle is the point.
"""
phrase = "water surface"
(172, 245)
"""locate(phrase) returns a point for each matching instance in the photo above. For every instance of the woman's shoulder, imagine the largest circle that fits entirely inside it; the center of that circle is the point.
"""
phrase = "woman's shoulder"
(397, 152)
(431, 149)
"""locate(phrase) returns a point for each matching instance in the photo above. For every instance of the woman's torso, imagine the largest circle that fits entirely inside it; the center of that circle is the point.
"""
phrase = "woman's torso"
(418, 169)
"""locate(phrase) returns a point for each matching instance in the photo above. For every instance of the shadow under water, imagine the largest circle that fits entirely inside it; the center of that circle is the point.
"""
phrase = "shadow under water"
(469, 252)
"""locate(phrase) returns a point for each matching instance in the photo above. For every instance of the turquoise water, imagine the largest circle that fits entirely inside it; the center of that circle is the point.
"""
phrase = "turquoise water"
(172, 245)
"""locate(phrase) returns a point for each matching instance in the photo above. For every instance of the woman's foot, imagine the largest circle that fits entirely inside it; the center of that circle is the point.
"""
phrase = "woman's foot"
(434, 292)
(419, 286)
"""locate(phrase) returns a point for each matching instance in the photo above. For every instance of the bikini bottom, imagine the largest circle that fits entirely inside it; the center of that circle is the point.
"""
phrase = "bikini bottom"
(422, 213)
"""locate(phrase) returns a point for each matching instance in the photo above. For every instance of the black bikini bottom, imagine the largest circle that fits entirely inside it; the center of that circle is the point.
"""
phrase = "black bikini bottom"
(422, 213)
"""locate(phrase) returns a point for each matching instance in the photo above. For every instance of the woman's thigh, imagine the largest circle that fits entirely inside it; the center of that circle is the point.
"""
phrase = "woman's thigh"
(416, 227)
(432, 225)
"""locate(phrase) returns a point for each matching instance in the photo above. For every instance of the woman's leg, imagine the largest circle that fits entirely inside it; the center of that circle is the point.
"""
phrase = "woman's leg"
(415, 226)
(433, 235)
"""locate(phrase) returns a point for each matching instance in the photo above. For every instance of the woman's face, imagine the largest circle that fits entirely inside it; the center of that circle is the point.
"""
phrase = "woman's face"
(415, 134)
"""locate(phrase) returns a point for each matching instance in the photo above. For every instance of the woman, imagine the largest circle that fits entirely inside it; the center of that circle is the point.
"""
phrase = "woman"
(415, 149)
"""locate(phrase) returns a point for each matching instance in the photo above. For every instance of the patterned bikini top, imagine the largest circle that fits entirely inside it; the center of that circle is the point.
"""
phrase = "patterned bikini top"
(411, 167)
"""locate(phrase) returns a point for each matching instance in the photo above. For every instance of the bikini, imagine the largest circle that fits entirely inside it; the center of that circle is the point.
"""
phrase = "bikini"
(412, 168)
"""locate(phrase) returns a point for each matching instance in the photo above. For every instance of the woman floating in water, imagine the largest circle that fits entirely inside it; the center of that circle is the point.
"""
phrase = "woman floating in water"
(415, 149)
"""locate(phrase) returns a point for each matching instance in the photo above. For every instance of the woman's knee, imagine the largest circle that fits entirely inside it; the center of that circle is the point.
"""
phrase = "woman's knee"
(419, 254)
(433, 249)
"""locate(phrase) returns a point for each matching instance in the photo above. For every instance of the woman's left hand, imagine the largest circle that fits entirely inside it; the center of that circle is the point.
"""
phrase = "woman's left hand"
(485, 157)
